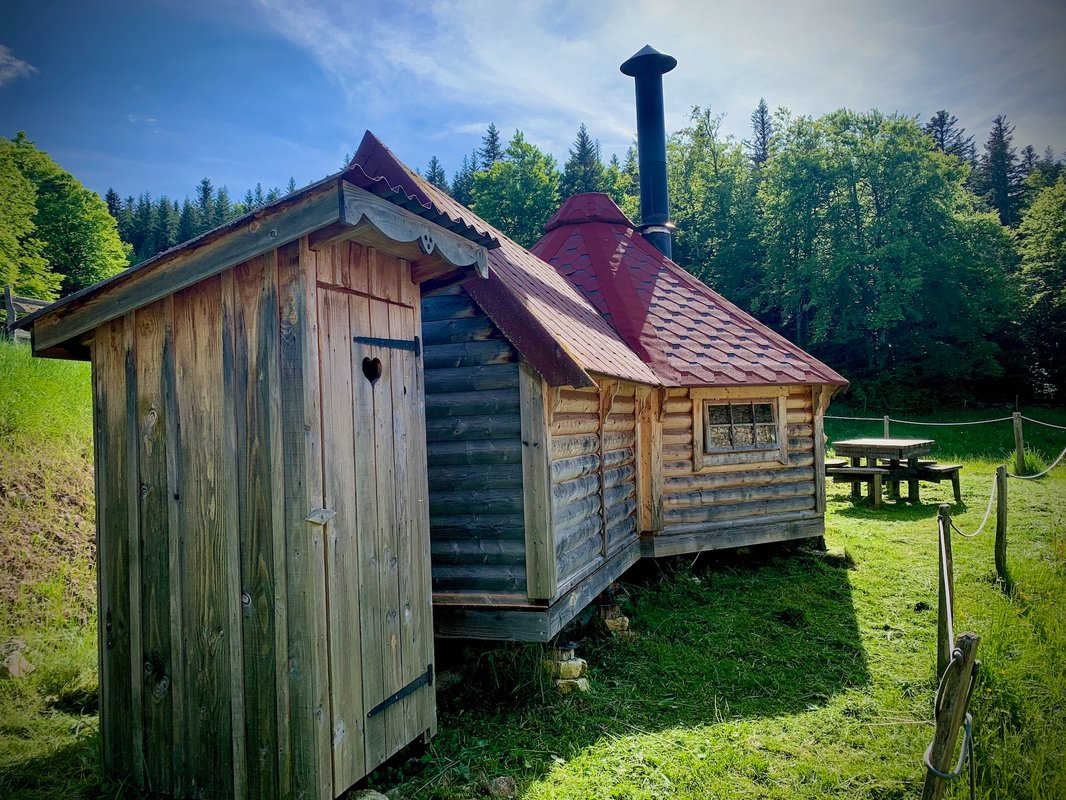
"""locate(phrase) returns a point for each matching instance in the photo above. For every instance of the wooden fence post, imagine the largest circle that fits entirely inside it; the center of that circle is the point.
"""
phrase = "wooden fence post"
(1001, 527)
(952, 700)
(9, 314)
(945, 621)
(1019, 445)
(886, 427)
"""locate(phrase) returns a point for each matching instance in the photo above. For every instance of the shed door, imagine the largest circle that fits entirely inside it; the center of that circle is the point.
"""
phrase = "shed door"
(377, 555)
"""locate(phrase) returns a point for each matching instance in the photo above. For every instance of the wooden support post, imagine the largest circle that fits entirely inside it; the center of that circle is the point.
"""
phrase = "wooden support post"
(1019, 445)
(887, 434)
(945, 622)
(856, 486)
(1001, 527)
(952, 700)
(875, 490)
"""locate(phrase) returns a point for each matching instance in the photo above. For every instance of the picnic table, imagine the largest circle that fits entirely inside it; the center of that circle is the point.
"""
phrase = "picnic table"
(890, 461)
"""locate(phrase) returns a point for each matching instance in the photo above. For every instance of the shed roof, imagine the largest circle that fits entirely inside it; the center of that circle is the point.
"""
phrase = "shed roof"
(552, 324)
(689, 334)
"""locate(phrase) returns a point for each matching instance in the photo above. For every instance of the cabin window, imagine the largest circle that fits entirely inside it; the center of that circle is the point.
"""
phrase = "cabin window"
(745, 425)
(738, 425)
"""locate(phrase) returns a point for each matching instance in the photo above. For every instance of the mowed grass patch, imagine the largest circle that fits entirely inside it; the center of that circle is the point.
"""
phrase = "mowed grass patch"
(784, 674)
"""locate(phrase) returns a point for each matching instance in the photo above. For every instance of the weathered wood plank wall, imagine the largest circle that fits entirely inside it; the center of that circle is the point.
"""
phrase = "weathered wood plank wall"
(220, 673)
(473, 428)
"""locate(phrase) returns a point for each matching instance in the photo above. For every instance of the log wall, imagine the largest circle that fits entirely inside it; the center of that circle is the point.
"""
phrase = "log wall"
(741, 498)
(473, 428)
(594, 477)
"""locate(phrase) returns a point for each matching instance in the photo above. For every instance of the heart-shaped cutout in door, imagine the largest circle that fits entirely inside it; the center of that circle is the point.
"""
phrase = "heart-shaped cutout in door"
(372, 369)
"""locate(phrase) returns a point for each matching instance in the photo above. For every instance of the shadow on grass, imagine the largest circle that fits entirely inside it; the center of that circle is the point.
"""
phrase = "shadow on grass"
(724, 637)
(71, 770)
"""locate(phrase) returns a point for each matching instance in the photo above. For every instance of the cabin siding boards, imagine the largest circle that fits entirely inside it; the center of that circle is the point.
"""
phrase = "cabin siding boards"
(736, 499)
(473, 432)
(242, 644)
(594, 477)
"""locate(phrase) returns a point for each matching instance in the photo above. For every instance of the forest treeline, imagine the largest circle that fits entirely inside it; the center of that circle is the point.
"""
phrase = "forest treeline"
(923, 266)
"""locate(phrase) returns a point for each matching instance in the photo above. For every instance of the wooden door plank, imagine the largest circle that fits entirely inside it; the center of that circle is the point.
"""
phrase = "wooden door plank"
(175, 555)
(136, 721)
(153, 361)
(371, 627)
(202, 520)
(421, 574)
(109, 355)
(260, 508)
(232, 540)
(342, 554)
(385, 469)
(307, 675)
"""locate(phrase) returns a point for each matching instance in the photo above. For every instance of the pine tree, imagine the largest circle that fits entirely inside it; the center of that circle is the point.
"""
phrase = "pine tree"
(1000, 180)
(463, 180)
(1029, 159)
(435, 174)
(491, 149)
(762, 128)
(583, 171)
(205, 205)
(222, 208)
(290, 187)
(949, 137)
(272, 195)
(189, 222)
(114, 203)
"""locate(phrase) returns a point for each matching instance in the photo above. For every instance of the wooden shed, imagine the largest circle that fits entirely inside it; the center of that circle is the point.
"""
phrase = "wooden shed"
(592, 402)
(262, 516)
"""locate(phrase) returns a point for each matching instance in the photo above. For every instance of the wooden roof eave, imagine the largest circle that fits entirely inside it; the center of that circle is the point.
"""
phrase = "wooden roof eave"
(331, 208)
(435, 252)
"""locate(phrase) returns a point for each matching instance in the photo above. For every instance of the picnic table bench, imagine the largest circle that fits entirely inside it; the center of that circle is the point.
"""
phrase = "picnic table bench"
(890, 461)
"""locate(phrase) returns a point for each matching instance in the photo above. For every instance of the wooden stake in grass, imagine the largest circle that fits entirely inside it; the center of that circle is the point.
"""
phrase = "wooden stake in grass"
(952, 698)
(1001, 528)
(1019, 445)
(945, 622)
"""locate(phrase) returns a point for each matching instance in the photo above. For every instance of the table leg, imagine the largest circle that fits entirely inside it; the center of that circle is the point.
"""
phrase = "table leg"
(856, 489)
(893, 486)
(875, 484)
(912, 484)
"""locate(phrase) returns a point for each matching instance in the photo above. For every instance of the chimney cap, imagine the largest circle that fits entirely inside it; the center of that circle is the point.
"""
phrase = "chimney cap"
(648, 60)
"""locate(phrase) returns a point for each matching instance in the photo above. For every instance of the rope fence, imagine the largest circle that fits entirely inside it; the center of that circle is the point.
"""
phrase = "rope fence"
(1019, 435)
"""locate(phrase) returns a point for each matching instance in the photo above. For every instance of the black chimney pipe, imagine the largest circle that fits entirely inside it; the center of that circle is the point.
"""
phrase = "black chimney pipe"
(648, 67)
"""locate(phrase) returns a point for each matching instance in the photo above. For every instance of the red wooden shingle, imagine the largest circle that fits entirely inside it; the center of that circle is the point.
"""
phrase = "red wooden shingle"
(689, 334)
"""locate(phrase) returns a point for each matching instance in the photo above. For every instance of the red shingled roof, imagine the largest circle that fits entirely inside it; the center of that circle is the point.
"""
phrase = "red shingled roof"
(553, 326)
(688, 333)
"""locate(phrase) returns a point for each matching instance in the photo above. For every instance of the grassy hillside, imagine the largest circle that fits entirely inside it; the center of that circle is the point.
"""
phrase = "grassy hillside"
(772, 674)
(47, 580)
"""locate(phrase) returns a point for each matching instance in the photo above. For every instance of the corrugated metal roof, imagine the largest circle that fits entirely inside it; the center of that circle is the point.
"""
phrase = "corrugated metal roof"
(689, 334)
(555, 328)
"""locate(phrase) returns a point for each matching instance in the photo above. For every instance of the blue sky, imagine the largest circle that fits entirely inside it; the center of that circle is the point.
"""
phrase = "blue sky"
(153, 95)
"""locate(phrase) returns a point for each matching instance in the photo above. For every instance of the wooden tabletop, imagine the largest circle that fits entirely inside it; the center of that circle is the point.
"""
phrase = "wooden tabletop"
(896, 449)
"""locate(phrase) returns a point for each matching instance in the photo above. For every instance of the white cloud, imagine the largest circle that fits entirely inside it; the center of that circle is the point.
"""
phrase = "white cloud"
(546, 65)
(12, 68)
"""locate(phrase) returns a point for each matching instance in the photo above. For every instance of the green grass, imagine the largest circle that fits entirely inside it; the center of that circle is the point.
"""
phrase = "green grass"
(779, 673)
